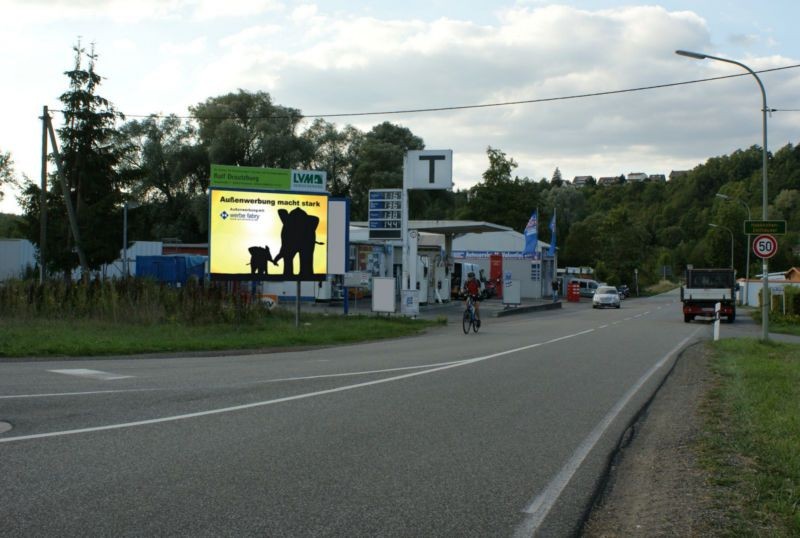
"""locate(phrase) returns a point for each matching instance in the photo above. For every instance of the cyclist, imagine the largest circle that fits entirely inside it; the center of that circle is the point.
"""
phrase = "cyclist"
(472, 288)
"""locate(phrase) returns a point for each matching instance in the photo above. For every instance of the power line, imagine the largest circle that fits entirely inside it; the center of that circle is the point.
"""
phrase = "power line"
(469, 107)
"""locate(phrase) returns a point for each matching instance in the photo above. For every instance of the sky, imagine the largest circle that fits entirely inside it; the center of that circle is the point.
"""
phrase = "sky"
(339, 57)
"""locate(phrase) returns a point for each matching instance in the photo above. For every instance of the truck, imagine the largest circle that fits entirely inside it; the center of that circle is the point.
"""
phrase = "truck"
(704, 288)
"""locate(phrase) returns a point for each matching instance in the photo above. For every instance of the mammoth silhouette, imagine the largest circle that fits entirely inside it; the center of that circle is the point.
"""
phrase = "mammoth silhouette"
(259, 256)
(298, 236)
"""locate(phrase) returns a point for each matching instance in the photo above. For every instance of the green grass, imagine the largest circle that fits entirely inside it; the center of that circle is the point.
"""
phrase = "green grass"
(42, 338)
(779, 323)
(785, 325)
(752, 443)
(656, 289)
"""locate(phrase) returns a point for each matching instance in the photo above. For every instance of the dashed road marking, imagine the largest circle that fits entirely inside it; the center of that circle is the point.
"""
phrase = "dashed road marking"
(91, 374)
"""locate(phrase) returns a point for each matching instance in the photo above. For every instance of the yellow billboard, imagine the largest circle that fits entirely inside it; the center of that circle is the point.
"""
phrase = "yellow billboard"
(257, 235)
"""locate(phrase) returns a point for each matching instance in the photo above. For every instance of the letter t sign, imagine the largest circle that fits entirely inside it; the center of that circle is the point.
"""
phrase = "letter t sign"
(431, 168)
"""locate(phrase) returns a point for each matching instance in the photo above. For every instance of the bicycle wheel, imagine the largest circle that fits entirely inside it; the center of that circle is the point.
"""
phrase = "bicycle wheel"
(475, 324)
(466, 321)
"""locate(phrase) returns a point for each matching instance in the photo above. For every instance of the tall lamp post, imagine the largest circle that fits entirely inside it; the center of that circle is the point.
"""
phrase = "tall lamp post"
(747, 249)
(125, 263)
(765, 291)
(730, 232)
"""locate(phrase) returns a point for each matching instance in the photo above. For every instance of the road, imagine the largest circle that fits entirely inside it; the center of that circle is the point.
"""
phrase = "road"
(503, 433)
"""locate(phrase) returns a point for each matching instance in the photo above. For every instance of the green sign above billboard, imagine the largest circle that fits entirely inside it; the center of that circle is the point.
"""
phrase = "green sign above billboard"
(250, 177)
(771, 227)
(267, 179)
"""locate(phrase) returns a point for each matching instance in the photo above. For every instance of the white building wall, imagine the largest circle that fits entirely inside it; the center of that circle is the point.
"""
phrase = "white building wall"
(477, 248)
(16, 256)
(116, 269)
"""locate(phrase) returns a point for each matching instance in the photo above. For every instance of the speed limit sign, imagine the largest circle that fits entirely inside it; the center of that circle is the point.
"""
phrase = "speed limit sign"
(765, 246)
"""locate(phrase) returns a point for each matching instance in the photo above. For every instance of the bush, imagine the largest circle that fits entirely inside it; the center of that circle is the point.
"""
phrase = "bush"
(132, 301)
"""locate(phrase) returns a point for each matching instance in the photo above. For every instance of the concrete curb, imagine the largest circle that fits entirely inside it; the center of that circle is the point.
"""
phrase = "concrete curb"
(508, 311)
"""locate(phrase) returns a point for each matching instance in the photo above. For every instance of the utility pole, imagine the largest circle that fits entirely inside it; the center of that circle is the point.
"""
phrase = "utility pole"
(73, 218)
(43, 201)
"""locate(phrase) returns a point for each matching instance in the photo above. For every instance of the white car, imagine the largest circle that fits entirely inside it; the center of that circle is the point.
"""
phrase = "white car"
(605, 296)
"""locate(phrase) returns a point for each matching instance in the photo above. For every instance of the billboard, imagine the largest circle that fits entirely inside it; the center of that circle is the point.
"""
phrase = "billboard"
(260, 235)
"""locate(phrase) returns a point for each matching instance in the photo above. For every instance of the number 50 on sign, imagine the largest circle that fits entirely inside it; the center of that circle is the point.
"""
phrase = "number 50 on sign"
(765, 246)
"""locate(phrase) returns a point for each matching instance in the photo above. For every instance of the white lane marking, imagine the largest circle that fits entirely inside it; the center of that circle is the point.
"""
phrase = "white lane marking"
(288, 398)
(54, 394)
(92, 374)
(541, 505)
(363, 372)
(602, 326)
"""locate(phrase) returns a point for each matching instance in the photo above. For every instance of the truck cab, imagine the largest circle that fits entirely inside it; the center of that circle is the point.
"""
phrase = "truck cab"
(704, 288)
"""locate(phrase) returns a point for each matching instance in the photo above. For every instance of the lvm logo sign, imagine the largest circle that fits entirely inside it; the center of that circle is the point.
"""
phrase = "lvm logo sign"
(308, 180)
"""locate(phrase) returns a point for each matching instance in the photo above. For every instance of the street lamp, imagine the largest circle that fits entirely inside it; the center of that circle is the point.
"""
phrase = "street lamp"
(730, 232)
(765, 292)
(125, 264)
(747, 249)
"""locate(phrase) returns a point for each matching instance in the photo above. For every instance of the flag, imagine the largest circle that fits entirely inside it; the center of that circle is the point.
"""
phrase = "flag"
(552, 251)
(531, 236)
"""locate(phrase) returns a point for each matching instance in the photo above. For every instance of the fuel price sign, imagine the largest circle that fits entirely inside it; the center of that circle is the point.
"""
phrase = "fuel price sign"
(385, 213)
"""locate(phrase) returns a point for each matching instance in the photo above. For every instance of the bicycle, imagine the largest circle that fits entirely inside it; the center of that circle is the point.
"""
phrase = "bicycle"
(469, 319)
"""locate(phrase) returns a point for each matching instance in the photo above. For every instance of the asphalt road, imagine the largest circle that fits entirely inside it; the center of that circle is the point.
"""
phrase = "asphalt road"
(503, 433)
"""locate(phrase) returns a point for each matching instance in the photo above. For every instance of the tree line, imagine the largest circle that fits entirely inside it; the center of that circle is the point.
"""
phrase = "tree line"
(160, 166)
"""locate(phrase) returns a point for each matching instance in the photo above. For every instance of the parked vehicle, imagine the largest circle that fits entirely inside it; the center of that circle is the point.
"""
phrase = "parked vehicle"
(704, 288)
(490, 286)
(606, 297)
(587, 286)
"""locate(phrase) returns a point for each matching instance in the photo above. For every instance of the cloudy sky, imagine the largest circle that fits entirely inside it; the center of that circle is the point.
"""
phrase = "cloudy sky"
(342, 56)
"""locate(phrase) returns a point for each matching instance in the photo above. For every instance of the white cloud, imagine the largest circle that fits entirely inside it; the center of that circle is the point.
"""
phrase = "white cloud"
(214, 9)
(188, 48)
(320, 61)
(140, 10)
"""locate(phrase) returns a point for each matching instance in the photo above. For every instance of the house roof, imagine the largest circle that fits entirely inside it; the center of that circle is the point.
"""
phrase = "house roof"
(793, 274)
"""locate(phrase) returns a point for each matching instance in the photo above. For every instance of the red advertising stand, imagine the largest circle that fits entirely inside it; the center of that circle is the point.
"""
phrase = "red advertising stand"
(573, 292)
(496, 272)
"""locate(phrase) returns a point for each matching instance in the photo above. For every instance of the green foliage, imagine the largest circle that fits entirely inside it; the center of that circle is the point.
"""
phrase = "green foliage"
(11, 226)
(753, 431)
(334, 152)
(6, 171)
(89, 162)
(499, 198)
(248, 129)
(168, 171)
(379, 163)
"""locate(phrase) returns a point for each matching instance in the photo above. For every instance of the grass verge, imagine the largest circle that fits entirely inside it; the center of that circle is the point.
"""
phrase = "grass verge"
(751, 446)
(779, 323)
(42, 338)
(656, 289)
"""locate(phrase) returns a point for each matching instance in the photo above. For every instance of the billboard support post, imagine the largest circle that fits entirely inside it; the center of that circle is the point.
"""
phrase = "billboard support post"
(297, 306)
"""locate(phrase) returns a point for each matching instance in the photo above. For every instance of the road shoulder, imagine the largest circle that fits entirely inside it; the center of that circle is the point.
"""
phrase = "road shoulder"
(656, 486)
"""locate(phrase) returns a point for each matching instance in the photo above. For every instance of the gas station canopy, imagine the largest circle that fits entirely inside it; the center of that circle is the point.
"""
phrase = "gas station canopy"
(450, 227)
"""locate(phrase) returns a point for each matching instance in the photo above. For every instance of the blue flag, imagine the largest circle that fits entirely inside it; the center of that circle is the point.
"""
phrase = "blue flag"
(531, 236)
(552, 251)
